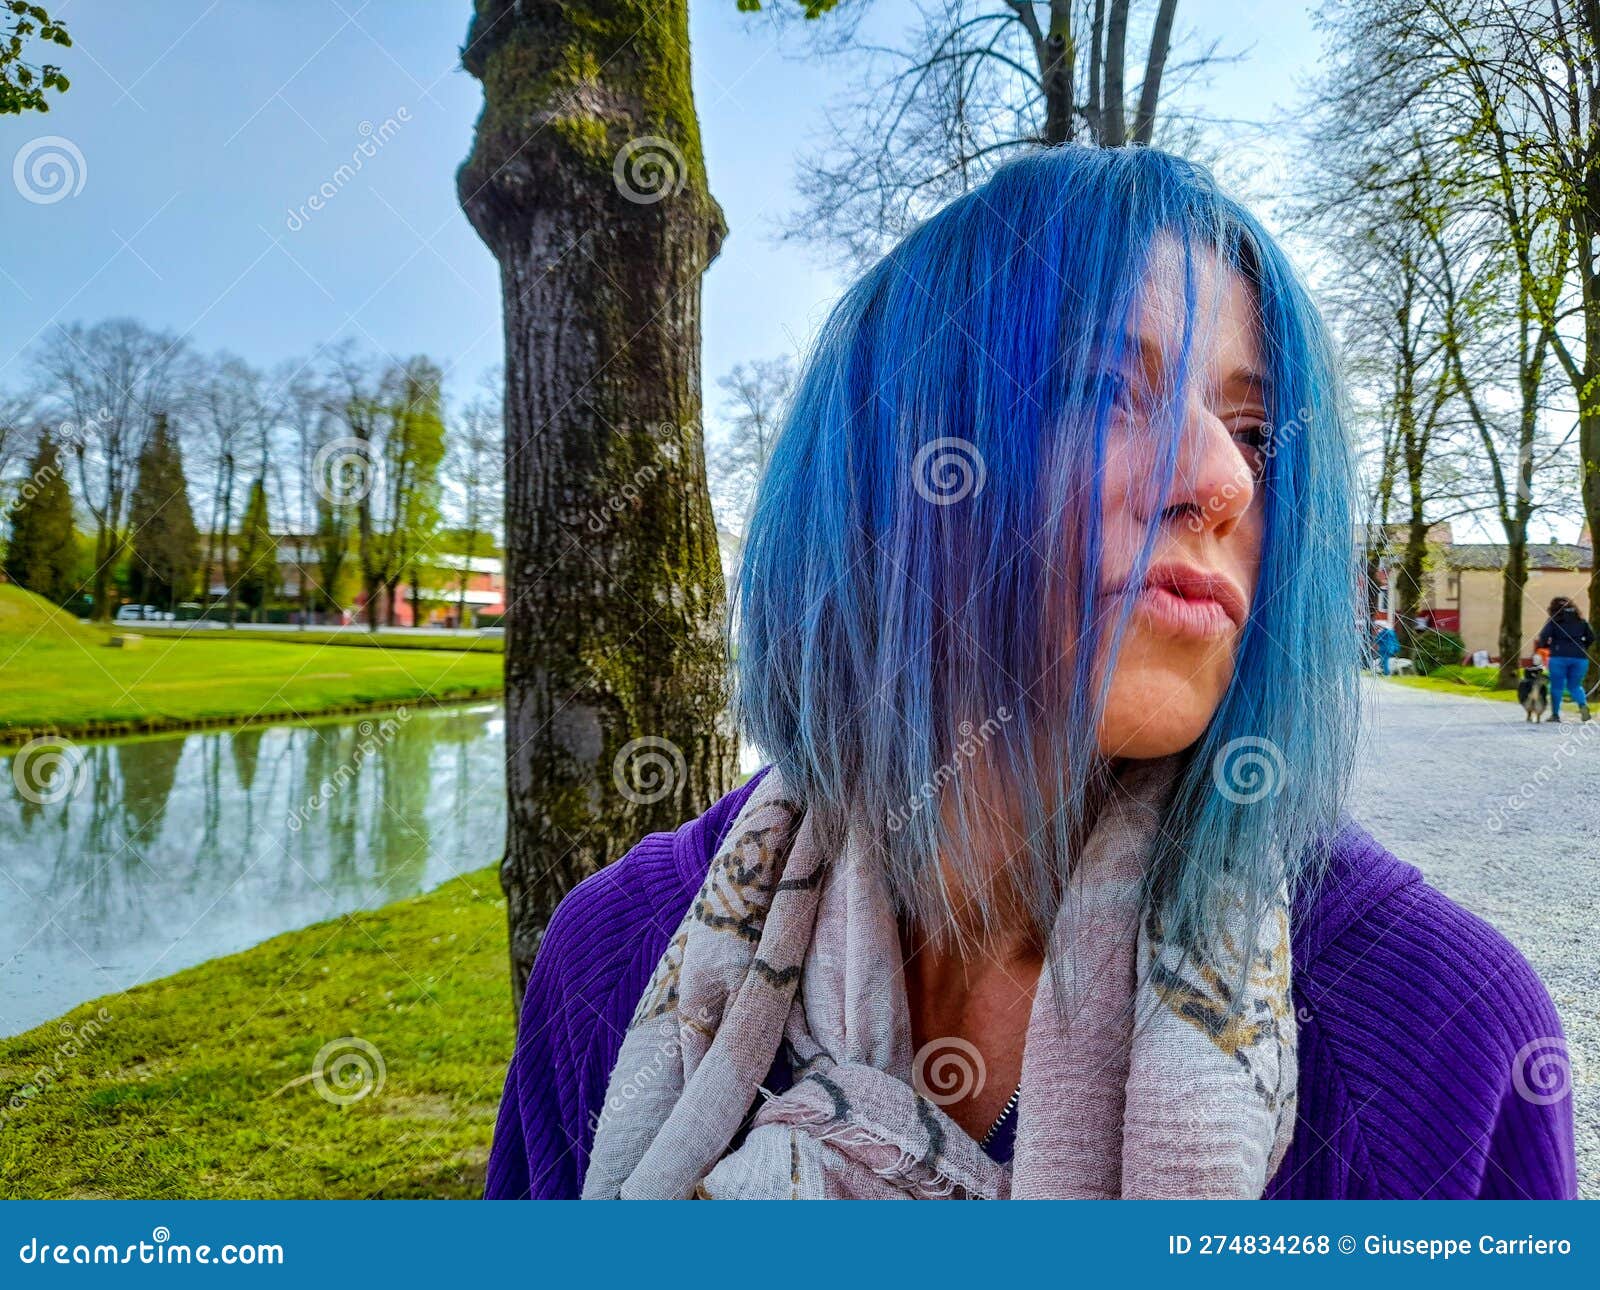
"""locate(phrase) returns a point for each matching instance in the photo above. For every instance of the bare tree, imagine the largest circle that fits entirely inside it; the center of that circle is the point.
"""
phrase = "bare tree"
(758, 393)
(1457, 95)
(972, 83)
(1374, 202)
(19, 422)
(359, 392)
(232, 418)
(107, 382)
(303, 421)
(475, 468)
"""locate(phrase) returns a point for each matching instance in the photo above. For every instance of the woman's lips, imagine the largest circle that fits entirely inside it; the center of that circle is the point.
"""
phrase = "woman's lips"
(1184, 601)
(1169, 612)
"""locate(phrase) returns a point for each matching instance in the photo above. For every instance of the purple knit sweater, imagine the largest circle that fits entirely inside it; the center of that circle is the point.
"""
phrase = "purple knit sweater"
(1414, 1015)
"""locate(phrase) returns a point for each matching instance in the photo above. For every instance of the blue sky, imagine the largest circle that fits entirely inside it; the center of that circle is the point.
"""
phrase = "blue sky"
(200, 133)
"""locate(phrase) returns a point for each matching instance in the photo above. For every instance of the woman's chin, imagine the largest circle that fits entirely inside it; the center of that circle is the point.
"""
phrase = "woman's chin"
(1159, 707)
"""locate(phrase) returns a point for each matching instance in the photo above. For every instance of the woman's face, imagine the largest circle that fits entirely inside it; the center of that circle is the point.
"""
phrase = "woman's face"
(1176, 655)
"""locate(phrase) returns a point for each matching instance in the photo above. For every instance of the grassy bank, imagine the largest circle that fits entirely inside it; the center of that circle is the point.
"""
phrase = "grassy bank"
(1476, 681)
(205, 1084)
(384, 638)
(64, 678)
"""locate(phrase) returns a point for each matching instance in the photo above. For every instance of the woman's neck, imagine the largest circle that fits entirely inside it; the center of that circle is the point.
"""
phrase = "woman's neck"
(965, 1004)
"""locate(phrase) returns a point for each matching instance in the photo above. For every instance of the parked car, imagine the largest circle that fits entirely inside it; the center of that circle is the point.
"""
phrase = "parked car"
(141, 614)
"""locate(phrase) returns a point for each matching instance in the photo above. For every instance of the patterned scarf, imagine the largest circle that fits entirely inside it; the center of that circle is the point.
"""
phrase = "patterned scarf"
(1147, 1085)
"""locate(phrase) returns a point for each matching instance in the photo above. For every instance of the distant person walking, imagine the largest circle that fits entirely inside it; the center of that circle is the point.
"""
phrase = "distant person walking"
(1388, 646)
(1568, 637)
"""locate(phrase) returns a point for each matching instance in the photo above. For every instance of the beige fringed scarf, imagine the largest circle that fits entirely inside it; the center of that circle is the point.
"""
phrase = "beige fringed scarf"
(1151, 1087)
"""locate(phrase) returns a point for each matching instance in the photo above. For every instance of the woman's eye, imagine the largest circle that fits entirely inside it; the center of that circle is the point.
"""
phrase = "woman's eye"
(1110, 389)
(1254, 440)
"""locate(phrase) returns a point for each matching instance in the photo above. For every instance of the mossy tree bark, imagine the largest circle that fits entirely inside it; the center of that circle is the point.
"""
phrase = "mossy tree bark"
(586, 181)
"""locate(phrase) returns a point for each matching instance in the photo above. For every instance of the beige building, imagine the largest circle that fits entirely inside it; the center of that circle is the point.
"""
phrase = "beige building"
(1464, 587)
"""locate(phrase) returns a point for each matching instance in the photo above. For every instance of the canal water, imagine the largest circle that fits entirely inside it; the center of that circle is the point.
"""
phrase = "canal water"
(126, 860)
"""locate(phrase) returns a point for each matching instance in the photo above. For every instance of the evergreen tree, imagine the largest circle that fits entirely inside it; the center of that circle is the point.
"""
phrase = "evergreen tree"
(165, 557)
(43, 553)
(333, 550)
(257, 574)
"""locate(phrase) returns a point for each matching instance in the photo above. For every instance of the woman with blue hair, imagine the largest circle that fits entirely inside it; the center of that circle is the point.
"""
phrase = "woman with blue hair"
(1043, 620)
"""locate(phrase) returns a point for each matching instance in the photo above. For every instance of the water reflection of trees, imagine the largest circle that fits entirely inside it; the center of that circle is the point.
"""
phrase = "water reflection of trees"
(399, 808)
(99, 876)
(210, 842)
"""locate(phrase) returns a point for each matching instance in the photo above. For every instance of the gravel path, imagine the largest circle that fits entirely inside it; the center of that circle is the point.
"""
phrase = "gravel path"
(1504, 818)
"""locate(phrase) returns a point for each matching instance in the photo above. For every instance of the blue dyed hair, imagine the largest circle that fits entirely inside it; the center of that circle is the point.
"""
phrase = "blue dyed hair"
(885, 639)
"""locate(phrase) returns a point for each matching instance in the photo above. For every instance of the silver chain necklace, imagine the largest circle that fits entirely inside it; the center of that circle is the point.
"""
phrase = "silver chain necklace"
(1006, 1110)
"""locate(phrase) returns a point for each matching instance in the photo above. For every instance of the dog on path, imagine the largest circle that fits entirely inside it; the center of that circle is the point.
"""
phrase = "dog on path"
(1533, 692)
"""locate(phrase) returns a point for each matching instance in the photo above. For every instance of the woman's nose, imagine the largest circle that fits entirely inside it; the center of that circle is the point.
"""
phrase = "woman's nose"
(1213, 483)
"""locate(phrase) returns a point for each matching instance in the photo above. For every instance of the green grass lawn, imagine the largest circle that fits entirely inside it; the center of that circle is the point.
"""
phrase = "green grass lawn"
(202, 1084)
(1476, 681)
(64, 678)
(385, 637)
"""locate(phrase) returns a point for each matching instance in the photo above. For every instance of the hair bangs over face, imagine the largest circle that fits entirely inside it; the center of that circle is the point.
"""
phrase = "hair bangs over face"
(923, 642)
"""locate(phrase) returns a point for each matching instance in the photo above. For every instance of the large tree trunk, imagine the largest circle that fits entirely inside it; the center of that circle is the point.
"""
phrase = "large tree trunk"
(586, 181)
(104, 547)
(1514, 582)
(1409, 589)
(1589, 426)
(1057, 64)
(1586, 229)
(1112, 109)
(1144, 124)
(1407, 593)
(1513, 586)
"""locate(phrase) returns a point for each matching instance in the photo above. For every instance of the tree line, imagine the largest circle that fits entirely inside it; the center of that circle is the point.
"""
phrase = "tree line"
(184, 468)
(1452, 186)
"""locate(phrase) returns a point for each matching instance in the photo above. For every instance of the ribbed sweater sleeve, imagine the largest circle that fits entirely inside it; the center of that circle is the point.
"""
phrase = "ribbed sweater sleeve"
(1443, 1054)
